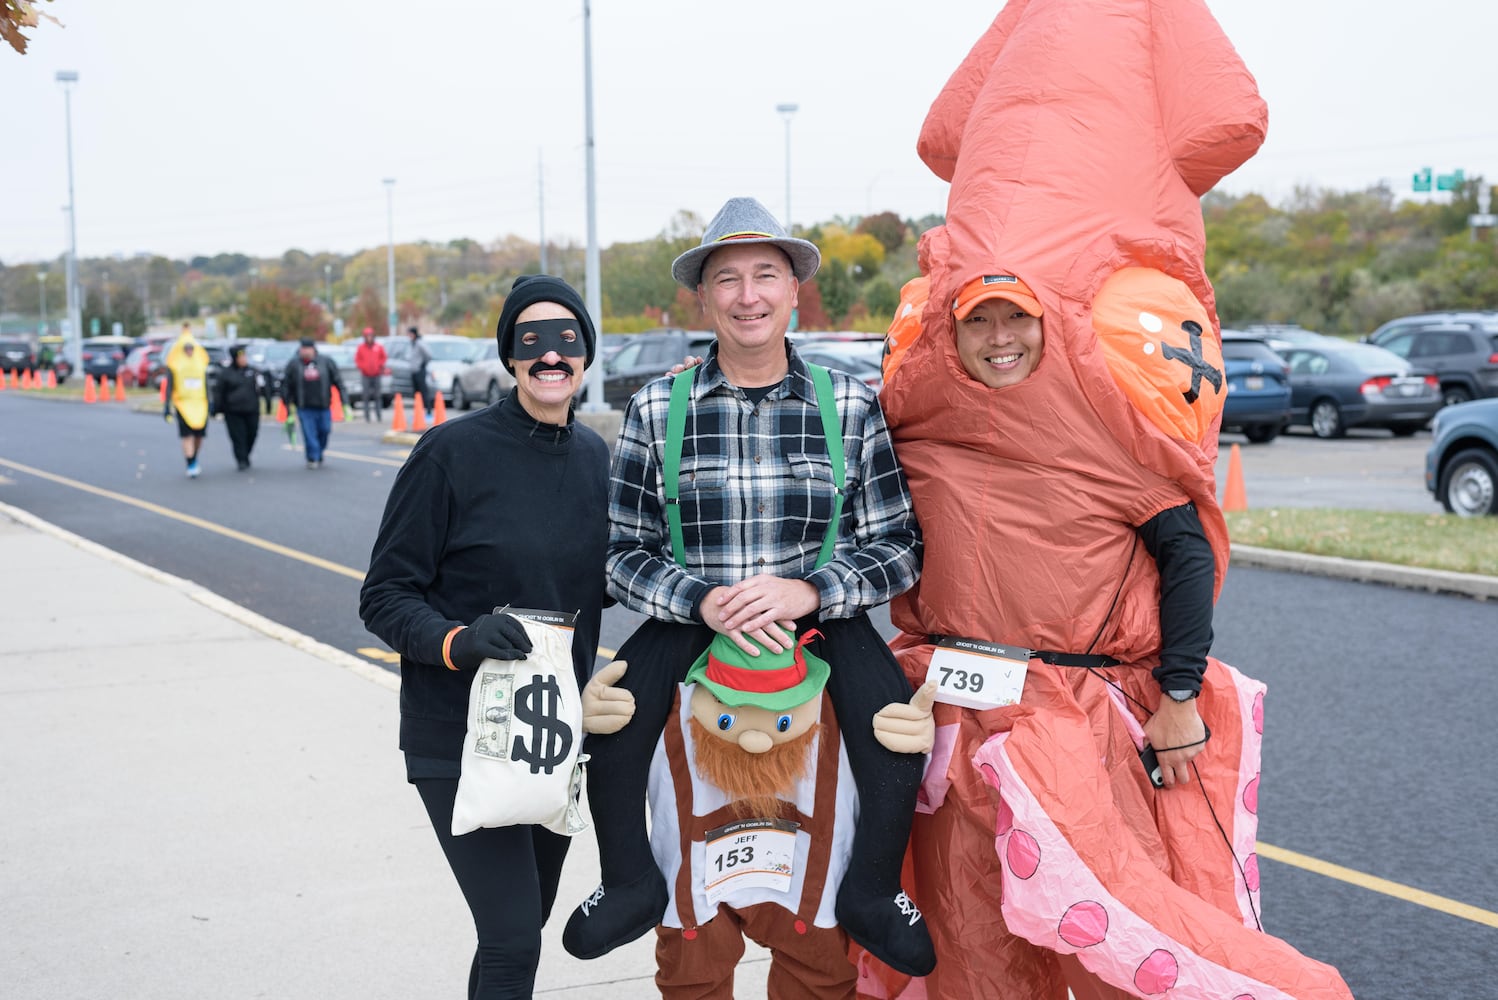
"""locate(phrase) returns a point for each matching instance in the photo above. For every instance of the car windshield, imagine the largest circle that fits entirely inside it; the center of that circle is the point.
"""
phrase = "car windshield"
(278, 352)
(450, 350)
(1250, 350)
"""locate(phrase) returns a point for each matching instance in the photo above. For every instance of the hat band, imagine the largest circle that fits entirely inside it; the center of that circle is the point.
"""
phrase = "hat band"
(752, 681)
(747, 235)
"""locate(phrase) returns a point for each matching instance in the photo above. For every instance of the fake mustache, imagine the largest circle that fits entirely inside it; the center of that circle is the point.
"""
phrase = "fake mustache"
(560, 366)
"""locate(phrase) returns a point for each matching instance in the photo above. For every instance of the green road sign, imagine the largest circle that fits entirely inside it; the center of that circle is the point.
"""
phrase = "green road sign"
(1422, 179)
(93, 326)
(1449, 182)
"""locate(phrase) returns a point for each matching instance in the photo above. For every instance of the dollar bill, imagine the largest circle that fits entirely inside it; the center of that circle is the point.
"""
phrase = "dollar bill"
(495, 713)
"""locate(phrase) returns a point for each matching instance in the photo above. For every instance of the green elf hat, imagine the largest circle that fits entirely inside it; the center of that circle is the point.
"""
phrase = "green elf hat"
(771, 681)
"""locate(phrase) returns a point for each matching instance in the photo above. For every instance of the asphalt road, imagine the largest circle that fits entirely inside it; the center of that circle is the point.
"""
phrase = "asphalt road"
(1379, 751)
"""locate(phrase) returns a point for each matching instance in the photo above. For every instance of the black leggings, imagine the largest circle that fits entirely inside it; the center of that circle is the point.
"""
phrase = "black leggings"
(864, 678)
(509, 876)
(243, 429)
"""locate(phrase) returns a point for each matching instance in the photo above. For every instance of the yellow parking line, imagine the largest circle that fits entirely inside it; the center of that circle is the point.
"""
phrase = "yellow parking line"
(383, 655)
(1373, 883)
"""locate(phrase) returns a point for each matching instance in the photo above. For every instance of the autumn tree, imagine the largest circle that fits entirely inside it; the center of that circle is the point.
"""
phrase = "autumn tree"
(886, 227)
(369, 311)
(277, 313)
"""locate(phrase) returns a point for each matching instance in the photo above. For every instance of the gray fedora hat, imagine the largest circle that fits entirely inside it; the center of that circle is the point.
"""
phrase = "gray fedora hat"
(745, 220)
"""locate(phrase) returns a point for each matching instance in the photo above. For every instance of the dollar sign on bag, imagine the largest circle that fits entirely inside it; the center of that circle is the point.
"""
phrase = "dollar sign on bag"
(552, 738)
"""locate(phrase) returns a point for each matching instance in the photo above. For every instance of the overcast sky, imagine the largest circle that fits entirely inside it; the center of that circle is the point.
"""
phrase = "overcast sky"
(206, 126)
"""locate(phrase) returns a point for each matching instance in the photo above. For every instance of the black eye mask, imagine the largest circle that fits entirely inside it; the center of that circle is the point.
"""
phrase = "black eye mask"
(549, 338)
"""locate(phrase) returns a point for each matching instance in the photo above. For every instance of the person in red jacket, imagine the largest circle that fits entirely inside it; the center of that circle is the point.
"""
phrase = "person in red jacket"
(369, 358)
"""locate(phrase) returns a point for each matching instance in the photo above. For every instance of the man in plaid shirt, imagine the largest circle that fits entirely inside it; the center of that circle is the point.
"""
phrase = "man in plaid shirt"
(756, 497)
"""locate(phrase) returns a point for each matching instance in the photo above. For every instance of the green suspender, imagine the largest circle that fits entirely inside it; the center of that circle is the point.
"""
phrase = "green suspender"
(676, 426)
(676, 423)
(832, 430)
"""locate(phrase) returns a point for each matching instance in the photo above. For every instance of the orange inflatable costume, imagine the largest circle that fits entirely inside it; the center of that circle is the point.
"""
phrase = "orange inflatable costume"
(1078, 136)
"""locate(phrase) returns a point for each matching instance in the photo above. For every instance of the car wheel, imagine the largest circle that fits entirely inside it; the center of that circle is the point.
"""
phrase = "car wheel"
(1454, 394)
(495, 393)
(460, 398)
(1468, 483)
(1261, 433)
(1326, 419)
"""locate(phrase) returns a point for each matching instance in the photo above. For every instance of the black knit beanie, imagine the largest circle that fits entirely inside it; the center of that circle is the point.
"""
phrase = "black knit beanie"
(527, 291)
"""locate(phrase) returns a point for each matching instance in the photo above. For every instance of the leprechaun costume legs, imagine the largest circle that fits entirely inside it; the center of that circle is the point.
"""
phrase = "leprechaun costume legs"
(864, 678)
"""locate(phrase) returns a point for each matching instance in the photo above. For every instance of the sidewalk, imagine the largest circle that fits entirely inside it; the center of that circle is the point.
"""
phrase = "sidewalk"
(200, 802)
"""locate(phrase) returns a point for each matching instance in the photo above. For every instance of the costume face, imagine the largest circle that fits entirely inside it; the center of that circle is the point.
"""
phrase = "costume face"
(754, 756)
(546, 381)
(999, 343)
(752, 729)
(747, 294)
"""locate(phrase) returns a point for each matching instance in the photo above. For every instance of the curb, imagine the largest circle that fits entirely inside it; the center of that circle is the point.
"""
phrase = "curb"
(1474, 585)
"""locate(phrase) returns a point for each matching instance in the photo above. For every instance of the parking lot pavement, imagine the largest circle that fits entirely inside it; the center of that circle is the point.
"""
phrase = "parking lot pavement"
(1367, 470)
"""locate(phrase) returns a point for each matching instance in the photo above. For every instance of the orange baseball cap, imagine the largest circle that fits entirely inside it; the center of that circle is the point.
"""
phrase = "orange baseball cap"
(996, 286)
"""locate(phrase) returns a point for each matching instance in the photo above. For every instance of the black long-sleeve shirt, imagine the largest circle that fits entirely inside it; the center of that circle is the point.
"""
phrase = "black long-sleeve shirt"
(1175, 539)
(490, 509)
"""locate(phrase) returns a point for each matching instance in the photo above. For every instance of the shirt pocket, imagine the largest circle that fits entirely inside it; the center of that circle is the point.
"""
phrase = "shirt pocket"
(808, 499)
(702, 488)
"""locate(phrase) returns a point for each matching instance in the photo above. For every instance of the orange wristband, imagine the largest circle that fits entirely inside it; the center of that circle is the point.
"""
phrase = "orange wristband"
(447, 647)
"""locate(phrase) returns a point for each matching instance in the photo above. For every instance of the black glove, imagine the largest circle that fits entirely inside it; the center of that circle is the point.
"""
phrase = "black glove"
(490, 637)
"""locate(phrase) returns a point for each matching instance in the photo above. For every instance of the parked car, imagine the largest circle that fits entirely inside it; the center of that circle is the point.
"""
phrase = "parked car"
(1258, 385)
(342, 355)
(863, 359)
(143, 365)
(485, 380)
(1461, 467)
(17, 356)
(1337, 386)
(449, 355)
(647, 356)
(1281, 336)
(103, 356)
(269, 357)
(1461, 348)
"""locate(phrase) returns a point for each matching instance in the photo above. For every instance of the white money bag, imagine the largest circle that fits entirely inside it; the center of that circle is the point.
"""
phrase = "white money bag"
(521, 762)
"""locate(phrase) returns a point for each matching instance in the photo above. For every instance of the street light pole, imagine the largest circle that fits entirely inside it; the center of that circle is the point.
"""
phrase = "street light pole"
(787, 110)
(41, 284)
(327, 273)
(390, 250)
(594, 284)
(72, 343)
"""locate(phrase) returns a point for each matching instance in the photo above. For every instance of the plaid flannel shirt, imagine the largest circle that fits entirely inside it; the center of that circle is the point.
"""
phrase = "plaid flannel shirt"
(756, 494)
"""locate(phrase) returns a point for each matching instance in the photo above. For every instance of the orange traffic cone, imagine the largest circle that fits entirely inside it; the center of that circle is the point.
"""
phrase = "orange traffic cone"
(162, 383)
(439, 410)
(1233, 495)
(119, 391)
(103, 388)
(337, 405)
(26, 379)
(280, 411)
(418, 413)
(88, 388)
(398, 414)
(2, 379)
(51, 379)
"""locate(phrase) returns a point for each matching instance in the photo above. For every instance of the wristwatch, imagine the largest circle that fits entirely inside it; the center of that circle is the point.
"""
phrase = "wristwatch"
(1181, 694)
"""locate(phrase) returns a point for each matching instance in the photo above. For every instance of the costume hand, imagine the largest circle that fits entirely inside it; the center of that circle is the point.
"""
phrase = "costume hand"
(166, 415)
(606, 708)
(1176, 724)
(490, 637)
(763, 607)
(908, 727)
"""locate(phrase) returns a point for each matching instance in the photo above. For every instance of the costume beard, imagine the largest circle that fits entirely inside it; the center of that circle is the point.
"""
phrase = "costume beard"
(756, 782)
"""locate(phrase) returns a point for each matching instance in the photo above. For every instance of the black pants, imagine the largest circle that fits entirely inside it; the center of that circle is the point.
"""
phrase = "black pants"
(864, 678)
(243, 428)
(509, 876)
